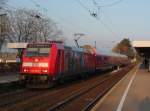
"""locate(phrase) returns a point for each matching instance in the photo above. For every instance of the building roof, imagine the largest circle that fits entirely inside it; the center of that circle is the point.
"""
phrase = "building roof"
(17, 45)
(141, 43)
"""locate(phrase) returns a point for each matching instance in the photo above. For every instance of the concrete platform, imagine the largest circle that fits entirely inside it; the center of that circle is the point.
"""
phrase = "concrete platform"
(8, 78)
(132, 93)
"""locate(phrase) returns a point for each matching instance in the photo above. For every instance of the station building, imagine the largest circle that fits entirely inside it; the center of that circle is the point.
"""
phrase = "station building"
(143, 49)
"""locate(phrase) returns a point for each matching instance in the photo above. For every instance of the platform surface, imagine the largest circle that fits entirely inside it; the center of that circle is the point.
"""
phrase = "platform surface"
(8, 78)
(132, 93)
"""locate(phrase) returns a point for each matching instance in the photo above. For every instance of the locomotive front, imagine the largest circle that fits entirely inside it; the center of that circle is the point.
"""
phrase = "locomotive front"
(35, 64)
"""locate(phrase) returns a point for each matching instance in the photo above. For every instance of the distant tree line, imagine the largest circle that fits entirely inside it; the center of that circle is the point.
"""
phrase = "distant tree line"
(125, 47)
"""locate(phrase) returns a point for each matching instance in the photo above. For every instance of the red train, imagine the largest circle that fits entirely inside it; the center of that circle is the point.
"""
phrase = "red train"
(45, 63)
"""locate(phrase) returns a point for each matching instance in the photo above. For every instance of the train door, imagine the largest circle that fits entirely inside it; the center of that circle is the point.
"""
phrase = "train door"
(60, 63)
(81, 62)
(68, 61)
(78, 62)
(71, 61)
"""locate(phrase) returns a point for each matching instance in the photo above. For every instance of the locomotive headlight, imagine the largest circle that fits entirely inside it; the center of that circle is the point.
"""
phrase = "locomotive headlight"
(25, 70)
(45, 70)
(36, 60)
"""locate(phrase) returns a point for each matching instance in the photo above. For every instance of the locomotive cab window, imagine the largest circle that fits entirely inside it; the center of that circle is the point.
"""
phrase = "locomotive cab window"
(37, 51)
(31, 52)
(44, 51)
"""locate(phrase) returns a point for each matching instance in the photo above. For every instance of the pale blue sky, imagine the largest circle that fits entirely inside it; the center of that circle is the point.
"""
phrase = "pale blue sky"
(130, 19)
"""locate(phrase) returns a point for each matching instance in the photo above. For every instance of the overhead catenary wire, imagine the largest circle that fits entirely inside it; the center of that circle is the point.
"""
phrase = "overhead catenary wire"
(97, 17)
(61, 18)
(83, 6)
(38, 6)
(108, 19)
(107, 27)
(86, 8)
(107, 5)
(100, 6)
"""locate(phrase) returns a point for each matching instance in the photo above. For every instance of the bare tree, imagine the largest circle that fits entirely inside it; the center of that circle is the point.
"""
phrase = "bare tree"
(2, 3)
(3, 29)
(2, 22)
(30, 26)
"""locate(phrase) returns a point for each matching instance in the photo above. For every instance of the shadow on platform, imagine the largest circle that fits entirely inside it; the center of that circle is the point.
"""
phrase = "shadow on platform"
(145, 104)
(143, 66)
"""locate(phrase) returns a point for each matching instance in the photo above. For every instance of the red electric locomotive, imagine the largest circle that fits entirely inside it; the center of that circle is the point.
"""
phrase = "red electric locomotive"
(45, 63)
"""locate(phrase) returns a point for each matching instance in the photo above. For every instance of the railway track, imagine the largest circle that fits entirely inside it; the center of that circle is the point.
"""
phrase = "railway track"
(9, 67)
(73, 97)
(14, 97)
(84, 100)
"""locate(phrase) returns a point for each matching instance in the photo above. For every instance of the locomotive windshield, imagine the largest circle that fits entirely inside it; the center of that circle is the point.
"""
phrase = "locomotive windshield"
(34, 51)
